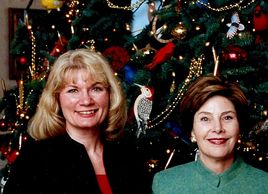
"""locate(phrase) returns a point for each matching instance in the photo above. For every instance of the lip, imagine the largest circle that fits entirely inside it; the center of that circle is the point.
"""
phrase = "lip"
(217, 141)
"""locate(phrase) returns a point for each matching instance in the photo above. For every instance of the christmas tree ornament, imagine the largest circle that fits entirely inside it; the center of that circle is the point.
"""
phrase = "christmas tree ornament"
(22, 60)
(179, 32)
(260, 24)
(142, 108)
(118, 57)
(260, 19)
(162, 55)
(129, 73)
(158, 32)
(234, 26)
(148, 51)
(169, 159)
(216, 61)
(52, 4)
(60, 46)
(234, 53)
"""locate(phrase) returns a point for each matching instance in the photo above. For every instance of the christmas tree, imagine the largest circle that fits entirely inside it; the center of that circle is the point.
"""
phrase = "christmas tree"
(158, 46)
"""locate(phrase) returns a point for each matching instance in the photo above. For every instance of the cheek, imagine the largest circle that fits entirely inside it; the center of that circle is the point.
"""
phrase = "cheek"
(66, 102)
(196, 130)
(103, 100)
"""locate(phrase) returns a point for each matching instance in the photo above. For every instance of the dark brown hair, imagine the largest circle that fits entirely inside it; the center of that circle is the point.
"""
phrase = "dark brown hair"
(206, 87)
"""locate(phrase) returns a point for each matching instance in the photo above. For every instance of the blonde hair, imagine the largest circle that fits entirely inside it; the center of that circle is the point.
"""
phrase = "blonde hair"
(48, 120)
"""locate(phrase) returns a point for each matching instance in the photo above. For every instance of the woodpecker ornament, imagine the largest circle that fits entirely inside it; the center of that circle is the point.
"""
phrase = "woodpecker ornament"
(142, 108)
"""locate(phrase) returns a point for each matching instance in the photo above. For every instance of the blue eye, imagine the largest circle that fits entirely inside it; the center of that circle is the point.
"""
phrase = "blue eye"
(73, 90)
(97, 89)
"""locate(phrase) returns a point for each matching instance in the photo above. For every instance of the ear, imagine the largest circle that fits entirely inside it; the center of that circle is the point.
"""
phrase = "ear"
(193, 139)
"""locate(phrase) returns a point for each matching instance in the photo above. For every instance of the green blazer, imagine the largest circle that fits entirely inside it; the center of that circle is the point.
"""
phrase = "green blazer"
(195, 178)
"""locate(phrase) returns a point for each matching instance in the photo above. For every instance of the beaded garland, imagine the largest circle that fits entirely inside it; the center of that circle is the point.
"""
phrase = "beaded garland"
(128, 8)
(226, 7)
(195, 71)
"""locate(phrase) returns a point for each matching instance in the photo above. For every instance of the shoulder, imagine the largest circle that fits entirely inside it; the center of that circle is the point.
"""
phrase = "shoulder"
(166, 181)
(255, 173)
(176, 173)
(250, 176)
(47, 148)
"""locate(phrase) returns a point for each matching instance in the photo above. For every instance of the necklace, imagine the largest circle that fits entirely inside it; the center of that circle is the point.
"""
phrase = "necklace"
(135, 5)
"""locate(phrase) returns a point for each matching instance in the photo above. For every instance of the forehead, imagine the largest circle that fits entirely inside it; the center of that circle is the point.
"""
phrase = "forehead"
(73, 75)
(217, 104)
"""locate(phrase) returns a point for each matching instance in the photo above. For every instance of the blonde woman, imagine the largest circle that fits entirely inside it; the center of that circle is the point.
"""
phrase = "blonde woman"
(76, 133)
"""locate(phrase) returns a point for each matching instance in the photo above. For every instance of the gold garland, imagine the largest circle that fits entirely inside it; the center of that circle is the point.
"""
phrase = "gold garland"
(195, 71)
(127, 8)
(155, 34)
(226, 7)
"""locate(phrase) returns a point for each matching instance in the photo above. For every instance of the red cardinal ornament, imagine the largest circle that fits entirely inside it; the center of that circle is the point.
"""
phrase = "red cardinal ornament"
(162, 55)
(260, 22)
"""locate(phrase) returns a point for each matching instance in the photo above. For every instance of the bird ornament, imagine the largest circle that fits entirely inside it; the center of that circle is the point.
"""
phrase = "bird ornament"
(142, 108)
(234, 26)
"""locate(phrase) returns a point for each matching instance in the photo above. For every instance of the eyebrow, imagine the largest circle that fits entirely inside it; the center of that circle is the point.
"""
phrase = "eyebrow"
(72, 84)
(223, 113)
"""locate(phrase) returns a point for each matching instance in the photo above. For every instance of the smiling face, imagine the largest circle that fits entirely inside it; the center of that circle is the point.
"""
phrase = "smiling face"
(216, 129)
(84, 102)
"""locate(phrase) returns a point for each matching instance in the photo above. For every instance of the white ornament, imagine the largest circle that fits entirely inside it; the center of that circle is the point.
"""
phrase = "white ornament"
(234, 26)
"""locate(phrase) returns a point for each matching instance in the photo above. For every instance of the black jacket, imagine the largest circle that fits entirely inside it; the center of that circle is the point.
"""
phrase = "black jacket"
(62, 166)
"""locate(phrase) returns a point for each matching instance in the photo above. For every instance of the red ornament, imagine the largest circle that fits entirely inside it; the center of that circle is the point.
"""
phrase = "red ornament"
(260, 19)
(59, 47)
(260, 23)
(234, 54)
(12, 156)
(118, 57)
(22, 60)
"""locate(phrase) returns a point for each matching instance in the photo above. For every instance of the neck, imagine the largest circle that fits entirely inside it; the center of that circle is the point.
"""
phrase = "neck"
(89, 138)
(217, 165)
(93, 145)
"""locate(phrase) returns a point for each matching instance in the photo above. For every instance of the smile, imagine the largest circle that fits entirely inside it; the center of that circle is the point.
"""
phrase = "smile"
(217, 141)
(87, 112)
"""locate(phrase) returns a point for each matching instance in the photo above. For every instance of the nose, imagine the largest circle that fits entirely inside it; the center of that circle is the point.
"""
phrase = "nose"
(218, 127)
(86, 99)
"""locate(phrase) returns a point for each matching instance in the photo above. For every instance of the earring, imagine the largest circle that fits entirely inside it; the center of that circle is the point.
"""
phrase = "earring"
(197, 153)
(193, 140)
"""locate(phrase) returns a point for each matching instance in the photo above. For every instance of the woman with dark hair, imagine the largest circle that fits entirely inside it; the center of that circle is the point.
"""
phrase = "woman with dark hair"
(214, 111)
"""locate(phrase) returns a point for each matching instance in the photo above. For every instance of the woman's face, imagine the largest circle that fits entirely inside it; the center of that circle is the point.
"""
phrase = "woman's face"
(216, 129)
(85, 103)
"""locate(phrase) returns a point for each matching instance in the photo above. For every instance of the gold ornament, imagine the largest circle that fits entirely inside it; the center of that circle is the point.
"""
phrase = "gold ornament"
(52, 4)
(179, 32)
